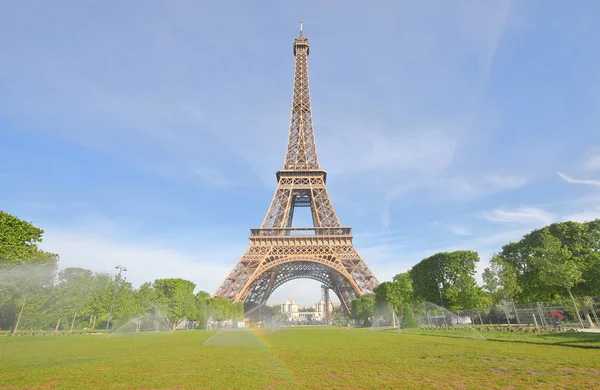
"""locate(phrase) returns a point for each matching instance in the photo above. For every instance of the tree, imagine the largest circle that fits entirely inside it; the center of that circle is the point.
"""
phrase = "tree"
(363, 308)
(237, 311)
(101, 295)
(218, 309)
(177, 298)
(26, 270)
(396, 294)
(447, 278)
(145, 297)
(221, 309)
(501, 285)
(202, 299)
(25, 287)
(274, 311)
(591, 261)
(500, 281)
(18, 242)
(580, 242)
(408, 317)
(557, 266)
(558, 261)
(74, 291)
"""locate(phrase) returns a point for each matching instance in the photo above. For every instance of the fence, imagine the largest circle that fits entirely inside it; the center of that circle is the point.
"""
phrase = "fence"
(539, 315)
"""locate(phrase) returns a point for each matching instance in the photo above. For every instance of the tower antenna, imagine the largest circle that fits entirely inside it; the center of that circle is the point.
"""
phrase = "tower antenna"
(300, 28)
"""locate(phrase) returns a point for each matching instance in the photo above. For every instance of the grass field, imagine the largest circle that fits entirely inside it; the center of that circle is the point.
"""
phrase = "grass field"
(308, 358)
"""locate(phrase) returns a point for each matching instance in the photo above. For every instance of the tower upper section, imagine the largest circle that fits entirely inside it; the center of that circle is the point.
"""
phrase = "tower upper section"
(301, 152)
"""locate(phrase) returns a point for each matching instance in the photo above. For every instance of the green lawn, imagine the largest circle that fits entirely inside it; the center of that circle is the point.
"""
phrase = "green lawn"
(309, 358)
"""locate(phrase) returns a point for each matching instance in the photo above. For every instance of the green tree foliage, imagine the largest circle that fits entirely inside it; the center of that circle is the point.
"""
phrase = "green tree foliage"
(23, 291)
(555, 260)
(408, 316)
(74, 292)
(590, 261)
(125, 304)
(177, 299)
(275, 311)
(25, 270)
(363, 308)
(33, 294)
(237, 311)
(217, 309)
(220, 309)
(144, 299)
(449, 274)
(395, 294)
(99, 304)
(202, 300)
(19, 243)
(558, 267)
(500, 280)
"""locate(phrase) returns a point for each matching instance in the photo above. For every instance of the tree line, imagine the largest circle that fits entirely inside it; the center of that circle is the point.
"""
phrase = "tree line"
(555, 263)
(558, 262)
(35, 295)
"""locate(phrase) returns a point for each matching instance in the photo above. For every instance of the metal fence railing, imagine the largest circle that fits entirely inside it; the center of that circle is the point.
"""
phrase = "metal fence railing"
(564, 314)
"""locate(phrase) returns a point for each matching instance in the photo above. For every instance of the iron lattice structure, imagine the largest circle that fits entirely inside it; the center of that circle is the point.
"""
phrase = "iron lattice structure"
(278, 252)
(325, 299)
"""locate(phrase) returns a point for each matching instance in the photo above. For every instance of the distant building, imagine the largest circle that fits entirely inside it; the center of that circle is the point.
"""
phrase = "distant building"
(320, 307)
(290, 308)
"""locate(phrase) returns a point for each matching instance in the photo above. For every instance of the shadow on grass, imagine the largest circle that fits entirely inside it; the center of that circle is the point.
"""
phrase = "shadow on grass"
(571, 339)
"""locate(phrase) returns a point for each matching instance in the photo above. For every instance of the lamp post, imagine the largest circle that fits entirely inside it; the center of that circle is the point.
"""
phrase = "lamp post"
(118, 279)
(440, 286)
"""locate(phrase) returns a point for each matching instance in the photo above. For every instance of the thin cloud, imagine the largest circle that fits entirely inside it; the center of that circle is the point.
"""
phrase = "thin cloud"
(485, 246)
(520, 215)
(588, 215)
(579, 181)
(213, 177)
(459, 230)
(462, 187)
(425, 150)
(389, 260)
(593, 162)
(456, 188)
(506, 181)
(145, 262)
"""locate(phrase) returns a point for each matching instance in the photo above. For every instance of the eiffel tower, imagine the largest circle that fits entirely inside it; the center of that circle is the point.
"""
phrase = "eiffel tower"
(279, 252)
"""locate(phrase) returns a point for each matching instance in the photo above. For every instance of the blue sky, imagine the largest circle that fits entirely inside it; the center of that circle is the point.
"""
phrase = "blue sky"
(148, 133)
